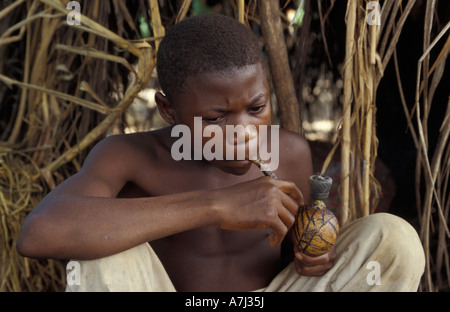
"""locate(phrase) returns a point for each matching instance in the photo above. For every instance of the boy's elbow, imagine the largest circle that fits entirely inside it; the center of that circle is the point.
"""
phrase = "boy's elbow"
(25, 248)
(27, 244)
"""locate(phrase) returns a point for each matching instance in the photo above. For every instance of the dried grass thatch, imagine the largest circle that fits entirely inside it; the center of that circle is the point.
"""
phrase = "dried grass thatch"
(57, 87)
(369, 49)
(434, 165)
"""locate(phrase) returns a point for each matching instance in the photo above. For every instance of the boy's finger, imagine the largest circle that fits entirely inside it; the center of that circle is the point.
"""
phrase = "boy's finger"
(290, 189)
(278, 233)
(291, 205)
(311, 261)
(316, 260)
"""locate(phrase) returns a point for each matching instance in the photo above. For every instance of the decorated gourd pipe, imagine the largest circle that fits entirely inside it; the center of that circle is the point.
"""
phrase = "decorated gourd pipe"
(316, 228)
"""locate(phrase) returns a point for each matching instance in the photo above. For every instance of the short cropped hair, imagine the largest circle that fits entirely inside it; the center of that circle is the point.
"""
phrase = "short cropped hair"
(204, 44)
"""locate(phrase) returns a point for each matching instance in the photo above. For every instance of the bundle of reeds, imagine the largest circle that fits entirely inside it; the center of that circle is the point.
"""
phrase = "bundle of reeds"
(432, 163)
(369, 49)
(61, 88)
(370, 42)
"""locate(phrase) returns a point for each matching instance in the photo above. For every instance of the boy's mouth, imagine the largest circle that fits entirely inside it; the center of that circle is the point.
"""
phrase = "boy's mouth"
(236, 167)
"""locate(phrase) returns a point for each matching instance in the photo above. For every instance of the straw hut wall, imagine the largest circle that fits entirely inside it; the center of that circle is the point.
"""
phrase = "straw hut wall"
(369, 50)
(64, 87)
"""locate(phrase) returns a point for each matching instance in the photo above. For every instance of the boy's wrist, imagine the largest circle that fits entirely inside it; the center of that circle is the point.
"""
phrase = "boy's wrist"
(214, 206)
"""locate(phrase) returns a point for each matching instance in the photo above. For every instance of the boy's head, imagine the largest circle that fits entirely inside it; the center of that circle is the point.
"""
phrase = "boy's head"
(211, 69)
(204, 44)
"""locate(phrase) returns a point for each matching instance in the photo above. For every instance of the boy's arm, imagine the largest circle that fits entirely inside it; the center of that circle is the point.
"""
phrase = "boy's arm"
(89, 227)
(82, 219)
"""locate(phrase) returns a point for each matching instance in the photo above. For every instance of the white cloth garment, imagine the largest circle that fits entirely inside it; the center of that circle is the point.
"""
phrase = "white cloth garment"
(380, 252)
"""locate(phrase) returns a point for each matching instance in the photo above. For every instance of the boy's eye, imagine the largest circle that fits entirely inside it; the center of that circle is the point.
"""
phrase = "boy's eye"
(213, 120)
(257, 109)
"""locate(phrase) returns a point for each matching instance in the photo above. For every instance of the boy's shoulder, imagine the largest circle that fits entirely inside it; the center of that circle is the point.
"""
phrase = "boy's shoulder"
(138, 141)
(122, 158)
(127, 150)
(292, 143)
(295, 160)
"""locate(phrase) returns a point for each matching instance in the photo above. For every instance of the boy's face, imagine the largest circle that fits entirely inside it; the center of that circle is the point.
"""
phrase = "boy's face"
(236, 97)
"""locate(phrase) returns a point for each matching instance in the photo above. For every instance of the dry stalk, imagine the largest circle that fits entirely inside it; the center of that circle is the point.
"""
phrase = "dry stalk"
(346, 120)
(241, 11)
(158, 28)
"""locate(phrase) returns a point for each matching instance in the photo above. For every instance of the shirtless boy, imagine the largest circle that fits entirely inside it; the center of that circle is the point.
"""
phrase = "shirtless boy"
(215, 225)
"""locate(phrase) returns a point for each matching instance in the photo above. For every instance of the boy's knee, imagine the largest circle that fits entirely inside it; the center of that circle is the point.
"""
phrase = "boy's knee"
(400, 247)
(385, 246)
(396, 235)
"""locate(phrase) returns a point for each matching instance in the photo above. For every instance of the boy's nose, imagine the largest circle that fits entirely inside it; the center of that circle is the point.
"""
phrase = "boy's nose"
(241, 142)
(242, 134)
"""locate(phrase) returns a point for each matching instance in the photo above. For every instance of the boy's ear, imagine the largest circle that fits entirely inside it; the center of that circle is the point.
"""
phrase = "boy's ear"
(165, 108)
